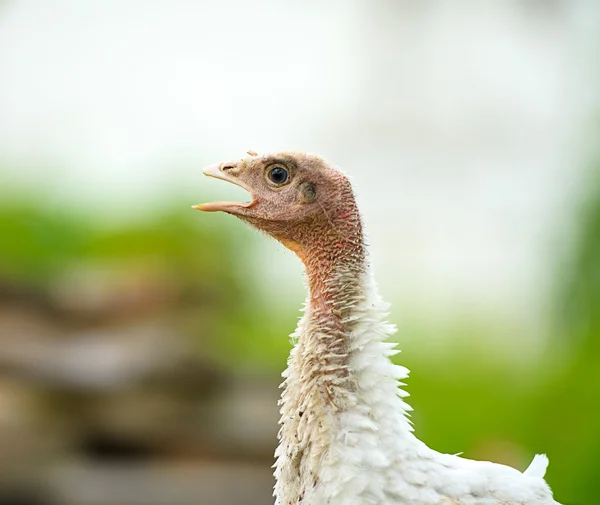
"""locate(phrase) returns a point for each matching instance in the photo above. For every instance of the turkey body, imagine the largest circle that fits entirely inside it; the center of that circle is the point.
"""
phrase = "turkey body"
(357, 447)
(345, 438)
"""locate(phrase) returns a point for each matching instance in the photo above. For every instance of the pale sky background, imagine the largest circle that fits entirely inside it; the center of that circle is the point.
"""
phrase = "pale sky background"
(465, 125)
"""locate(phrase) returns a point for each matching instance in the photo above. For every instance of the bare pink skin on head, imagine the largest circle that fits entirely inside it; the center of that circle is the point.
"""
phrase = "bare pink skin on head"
(312, 212)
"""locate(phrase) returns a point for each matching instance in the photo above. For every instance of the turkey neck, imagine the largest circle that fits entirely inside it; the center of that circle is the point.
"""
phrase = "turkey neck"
(335, 270)
(335, 261)
(339, 384)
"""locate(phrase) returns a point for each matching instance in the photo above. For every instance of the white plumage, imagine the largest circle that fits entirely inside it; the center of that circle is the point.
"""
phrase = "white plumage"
(366, 453)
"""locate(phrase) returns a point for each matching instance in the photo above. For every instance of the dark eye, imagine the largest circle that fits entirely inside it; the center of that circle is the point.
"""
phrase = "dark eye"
(278, 175)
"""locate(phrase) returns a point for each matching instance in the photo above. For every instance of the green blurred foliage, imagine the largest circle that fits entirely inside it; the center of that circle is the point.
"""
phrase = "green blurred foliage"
(41, 243)
(37, 244)
(574, 394)
(578, 304)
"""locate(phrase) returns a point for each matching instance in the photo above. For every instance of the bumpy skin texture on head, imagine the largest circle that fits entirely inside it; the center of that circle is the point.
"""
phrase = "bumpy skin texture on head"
(344, 437)
(312, 211)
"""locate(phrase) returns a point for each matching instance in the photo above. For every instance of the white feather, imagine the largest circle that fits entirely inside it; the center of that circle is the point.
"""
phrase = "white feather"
(537, 468)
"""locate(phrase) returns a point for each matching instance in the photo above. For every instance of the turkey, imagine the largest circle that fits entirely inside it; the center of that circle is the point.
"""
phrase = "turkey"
(344, 436)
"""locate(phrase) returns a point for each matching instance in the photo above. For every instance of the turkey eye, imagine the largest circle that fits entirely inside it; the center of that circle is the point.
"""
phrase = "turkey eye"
(278, 175)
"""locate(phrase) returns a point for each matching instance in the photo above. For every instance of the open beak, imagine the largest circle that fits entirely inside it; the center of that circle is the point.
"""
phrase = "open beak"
(216, 172)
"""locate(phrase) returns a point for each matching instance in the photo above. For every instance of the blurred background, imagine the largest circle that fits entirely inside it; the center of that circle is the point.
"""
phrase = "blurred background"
(141, 343)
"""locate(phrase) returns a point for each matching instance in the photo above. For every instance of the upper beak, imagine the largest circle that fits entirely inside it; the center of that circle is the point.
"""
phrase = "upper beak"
(217, 172)
(213, 170)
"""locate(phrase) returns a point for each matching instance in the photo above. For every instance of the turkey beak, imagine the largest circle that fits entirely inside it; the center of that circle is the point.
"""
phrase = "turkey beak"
(220, 171)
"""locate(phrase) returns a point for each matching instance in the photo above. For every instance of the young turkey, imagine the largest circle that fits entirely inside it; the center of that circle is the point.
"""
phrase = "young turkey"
(345, 438)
